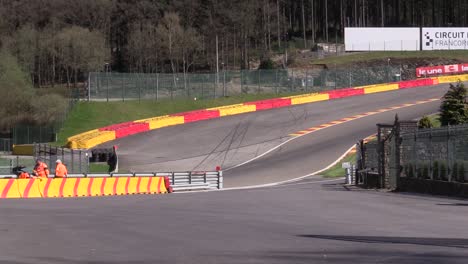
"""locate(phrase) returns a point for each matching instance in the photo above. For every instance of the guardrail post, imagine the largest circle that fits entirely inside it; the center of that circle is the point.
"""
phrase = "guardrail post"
(220, 179)
(173, 178)
(204, 177)
(190, 177)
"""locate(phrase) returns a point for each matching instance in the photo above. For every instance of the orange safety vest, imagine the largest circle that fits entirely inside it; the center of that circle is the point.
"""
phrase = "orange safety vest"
(23, 175)
(41, 170)
(61, 170)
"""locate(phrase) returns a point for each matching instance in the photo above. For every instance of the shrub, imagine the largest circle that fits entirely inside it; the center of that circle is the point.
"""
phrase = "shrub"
(267, 64)
(425, 122)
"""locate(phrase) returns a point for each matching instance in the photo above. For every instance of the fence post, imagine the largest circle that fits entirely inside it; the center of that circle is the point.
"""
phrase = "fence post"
(123, 90)
(157, 86)
(215, 84)
(139, 89)
(258, 82)
(307, 80)
(224, 82)
(431, 157)
(73, 161)
(449, 171)
(242, 81)
(293, 81)
(276, 81)
(220, 179)
(107, 86)
(89, 86)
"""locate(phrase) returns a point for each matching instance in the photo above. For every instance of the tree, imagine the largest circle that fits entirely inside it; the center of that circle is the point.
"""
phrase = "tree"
(81, 50)
(454, 109)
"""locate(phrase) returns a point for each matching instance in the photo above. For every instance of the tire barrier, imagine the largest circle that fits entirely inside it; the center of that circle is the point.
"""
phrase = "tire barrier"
(83, 187)
(95, 137)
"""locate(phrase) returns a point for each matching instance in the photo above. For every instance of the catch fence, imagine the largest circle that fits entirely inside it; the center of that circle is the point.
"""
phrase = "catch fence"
(112, 86)
(77, 161)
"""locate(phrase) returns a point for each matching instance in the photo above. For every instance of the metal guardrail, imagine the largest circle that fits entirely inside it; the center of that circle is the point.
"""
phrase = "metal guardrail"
(180, 181)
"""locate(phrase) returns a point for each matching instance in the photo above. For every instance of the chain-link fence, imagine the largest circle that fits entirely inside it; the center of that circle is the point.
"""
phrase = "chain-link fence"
(437, 154)
(77, 161)
(110, 86)
(5, 145)
(7, 163)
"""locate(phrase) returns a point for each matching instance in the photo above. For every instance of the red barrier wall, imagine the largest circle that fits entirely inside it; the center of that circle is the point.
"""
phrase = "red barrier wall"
(341, 93)
(127, 128)
(270, 103)
(415, 83)
(194, 116)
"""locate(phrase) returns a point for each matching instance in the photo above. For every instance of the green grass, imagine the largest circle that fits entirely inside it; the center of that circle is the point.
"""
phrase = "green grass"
(91, 115)
(337, 171)
(98, 168)
(384, 55)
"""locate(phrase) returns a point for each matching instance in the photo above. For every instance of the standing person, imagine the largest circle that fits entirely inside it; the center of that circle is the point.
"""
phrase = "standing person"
(41, 169)
(60, 169)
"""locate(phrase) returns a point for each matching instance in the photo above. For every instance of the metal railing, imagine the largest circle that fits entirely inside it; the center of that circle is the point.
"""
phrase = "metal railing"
(180, 181)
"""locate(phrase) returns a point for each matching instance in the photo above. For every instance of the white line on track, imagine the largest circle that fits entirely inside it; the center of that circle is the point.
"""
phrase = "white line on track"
(301, 177)
(296, 137)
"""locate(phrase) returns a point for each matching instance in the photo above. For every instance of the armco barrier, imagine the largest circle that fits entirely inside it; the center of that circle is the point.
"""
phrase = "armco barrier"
(95, 137)
(198, 115)
(90, 140)
(162, 121)
(342, 93)
(270, 103)
(308, 98)
(83, 186)
(380, 88)
(27, 149)
(126, 129)
(417, 83)
(234, 109)
(453, 78)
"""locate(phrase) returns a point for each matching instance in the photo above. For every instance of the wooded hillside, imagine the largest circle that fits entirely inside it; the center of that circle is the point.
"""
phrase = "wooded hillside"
(59, 41)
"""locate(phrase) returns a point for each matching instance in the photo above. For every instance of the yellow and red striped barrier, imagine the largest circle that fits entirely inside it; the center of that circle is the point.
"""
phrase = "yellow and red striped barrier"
(82, 187)
(95, 137)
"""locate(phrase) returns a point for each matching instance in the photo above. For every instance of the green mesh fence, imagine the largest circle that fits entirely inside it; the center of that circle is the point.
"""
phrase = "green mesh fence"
(143, 86)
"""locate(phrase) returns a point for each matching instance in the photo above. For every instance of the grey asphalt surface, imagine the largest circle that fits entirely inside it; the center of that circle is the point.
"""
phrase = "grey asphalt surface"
(232, 140)
(311, 221)
(305, 222)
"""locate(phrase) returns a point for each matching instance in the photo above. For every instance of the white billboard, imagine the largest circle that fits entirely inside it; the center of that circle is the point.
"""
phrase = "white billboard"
(382, 39)
(444, 38)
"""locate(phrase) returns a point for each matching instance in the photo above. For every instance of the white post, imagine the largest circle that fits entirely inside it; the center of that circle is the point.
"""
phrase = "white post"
(217, 65)
(89, 87)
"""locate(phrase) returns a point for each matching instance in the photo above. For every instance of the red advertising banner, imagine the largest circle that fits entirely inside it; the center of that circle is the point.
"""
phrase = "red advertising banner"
(442, 69)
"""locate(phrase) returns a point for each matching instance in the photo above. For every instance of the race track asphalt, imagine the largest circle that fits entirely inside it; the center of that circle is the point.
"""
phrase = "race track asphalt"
(232, 140)
(311, 221)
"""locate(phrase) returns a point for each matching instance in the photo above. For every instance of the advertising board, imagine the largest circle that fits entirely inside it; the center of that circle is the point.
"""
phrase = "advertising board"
(444, 38)
(382, 39)
(441, 69)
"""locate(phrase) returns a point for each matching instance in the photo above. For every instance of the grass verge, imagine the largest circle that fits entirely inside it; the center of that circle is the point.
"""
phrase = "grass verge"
(98, 168)
(90, 115)
(384, 55)
(337, 171)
